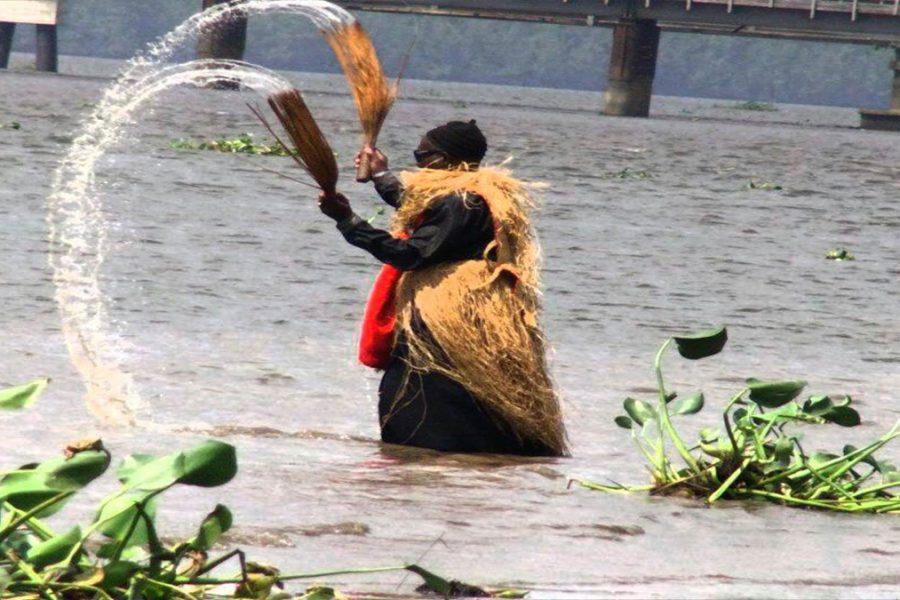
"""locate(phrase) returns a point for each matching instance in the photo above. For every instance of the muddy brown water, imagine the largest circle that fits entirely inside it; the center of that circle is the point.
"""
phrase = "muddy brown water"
(239, 305)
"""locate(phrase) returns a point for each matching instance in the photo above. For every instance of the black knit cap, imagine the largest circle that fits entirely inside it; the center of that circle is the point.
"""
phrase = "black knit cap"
(460, 141)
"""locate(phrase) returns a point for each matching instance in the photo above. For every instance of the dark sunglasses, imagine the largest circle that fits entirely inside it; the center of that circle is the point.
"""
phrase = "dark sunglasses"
(423, 155)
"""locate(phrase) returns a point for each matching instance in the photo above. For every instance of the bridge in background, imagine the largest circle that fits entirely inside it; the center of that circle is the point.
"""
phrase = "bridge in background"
(637, 25)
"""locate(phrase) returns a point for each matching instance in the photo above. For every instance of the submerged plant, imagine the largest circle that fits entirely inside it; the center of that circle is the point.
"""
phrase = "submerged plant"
(757, 453)
(763, 185)
(754, 105)
(243, 144)
(839, 254)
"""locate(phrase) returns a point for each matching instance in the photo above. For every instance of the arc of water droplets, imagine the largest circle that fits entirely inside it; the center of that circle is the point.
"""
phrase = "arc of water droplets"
(77, 227)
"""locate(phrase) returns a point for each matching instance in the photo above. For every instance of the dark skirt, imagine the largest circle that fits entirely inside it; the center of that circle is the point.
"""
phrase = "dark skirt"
(429, 410)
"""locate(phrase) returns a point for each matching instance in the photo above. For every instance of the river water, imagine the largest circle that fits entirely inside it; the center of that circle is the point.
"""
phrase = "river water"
(237, 304)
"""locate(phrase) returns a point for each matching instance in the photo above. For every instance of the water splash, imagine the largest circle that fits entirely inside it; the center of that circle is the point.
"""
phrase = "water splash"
(77, 227)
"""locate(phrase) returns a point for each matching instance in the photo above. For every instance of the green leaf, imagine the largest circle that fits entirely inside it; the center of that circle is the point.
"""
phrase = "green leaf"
(817, 405)
(772, 394)
(318, 593)
(78, 471)
(55, 549)
(435, 583)
(26, 488)
(131, 464)
(209, 464)
(689, 405)
(21, 396)
(32, 485)
(117, 515)
(838, 412)
(702, 344)
(509, 594)
(624, 422)
(157, 474)
(639, 410)
(214, 525)
(784, 413)
(843, 416)
(784, 449)
(118, 574)
(709, 435)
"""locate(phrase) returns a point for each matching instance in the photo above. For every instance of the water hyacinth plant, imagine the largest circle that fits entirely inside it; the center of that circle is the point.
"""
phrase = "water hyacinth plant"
(755, 106)
(243, 144)
(757, 453)
(120, 554)
(764, 185)
(839, 254)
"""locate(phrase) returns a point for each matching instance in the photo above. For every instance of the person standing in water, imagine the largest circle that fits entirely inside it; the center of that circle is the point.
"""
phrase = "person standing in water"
(452, 319)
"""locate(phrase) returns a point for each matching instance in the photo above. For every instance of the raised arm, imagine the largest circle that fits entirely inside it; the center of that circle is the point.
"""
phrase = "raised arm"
(450, 228)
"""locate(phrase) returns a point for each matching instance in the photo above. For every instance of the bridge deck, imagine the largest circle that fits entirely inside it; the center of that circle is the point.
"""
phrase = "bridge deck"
(853, 21)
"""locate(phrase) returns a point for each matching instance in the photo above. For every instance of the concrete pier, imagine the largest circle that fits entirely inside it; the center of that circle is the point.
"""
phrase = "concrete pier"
(46, 53)
(632, 65)
(226, 39)
(7, 30)
(886, 120)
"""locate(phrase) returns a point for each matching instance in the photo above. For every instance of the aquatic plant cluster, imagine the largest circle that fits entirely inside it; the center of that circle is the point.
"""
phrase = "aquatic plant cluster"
(839, 254)
(758, 453)
(120, 554)
(755, 106)
(243, 144)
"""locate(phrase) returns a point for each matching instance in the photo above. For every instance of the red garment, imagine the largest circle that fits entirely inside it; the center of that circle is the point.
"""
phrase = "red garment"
(377, 339)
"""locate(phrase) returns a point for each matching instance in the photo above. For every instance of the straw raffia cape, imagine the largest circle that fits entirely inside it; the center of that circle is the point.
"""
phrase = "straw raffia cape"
(481, 315)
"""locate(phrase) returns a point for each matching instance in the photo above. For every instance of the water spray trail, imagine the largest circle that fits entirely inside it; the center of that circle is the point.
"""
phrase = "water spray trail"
(77, 227)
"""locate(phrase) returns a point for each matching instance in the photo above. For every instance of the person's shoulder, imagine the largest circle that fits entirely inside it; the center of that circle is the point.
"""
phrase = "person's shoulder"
(459, 201)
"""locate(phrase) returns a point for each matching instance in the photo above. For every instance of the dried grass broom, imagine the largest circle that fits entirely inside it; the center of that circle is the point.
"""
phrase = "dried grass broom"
(312, 151)
(372, 93)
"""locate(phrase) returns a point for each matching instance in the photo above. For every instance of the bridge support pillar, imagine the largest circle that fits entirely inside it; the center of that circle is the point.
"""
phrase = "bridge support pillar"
(6, 39)
(46, 57)
(226, 39)
(886, 120)
(895, 91)
(632, 65)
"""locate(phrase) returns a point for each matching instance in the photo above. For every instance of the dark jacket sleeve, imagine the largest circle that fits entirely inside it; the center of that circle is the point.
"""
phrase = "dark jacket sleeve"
(449, 227)
(389, 188)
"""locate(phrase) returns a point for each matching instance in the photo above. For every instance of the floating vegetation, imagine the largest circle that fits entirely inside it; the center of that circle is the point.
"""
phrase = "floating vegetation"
(243, 144)
(11, 125)
(839, 254)
(758, 455)
(763, 185)
(121, 554)
(627, 173)
(754, 105)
